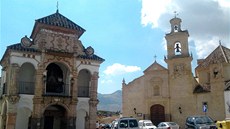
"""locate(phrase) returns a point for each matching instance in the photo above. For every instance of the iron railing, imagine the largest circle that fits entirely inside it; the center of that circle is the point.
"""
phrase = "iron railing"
(26, 87)
(83, 91)
(59, 92)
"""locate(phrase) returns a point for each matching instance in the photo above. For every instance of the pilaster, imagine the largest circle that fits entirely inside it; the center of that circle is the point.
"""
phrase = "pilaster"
(12, 85)
(93, 113)
(11, 111)
(94, 84)
(40, 83)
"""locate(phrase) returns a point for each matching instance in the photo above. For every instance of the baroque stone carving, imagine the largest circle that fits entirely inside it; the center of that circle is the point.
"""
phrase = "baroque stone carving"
(13, 99)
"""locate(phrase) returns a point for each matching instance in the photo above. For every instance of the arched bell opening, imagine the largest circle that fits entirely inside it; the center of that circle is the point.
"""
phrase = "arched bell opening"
(177, 48)
(57, 79)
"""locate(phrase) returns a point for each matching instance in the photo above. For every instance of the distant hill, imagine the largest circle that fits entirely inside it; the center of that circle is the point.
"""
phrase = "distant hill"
(110, 102)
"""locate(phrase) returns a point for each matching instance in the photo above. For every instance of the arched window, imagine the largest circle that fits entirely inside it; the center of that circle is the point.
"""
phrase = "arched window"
(83, 83)
(26, 79)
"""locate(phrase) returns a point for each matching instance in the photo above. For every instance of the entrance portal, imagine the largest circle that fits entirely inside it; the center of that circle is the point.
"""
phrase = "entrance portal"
(55, 117)
(157, 114)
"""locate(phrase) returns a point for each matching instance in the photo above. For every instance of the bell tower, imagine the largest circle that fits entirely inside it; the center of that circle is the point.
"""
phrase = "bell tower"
(178, 57)
(181, 80)
(177, 40)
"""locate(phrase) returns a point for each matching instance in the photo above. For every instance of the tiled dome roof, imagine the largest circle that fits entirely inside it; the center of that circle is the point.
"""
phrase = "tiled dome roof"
(59, 20)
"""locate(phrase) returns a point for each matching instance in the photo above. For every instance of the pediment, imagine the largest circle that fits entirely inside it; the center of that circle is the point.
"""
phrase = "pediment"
(155, 67)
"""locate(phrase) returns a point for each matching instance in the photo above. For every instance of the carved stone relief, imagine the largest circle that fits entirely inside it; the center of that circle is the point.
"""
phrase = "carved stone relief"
(179, 70)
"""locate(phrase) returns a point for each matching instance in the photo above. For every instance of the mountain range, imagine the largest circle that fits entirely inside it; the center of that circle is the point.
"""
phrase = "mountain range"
(110, 102)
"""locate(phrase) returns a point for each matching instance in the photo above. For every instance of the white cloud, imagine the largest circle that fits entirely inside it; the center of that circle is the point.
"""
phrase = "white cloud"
(106, 81)
(206, 20)
(118, 69)
(152, 10)
(223, 3)
(210, 45)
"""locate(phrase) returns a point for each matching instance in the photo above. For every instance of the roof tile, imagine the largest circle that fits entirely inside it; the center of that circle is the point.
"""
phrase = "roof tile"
(59, 20)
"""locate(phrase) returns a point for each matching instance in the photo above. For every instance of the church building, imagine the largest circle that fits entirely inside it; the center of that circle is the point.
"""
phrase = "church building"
(49, 80)
(174, 93)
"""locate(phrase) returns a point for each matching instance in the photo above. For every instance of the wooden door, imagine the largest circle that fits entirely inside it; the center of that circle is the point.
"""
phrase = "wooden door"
(157, 114)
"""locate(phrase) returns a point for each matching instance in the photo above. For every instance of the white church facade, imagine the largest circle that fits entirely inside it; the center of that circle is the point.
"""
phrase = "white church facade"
(50, 80)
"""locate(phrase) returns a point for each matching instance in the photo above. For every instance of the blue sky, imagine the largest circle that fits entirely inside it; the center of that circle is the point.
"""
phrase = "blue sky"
(126, 33)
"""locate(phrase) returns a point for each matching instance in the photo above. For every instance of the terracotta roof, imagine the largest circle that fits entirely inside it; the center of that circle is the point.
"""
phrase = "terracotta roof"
(93, 57)
(59, 20)
(220, 55)
(19, 47)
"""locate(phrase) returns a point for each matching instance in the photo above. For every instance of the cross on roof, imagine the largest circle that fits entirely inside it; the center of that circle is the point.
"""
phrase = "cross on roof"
(155, 57)
(176, 13)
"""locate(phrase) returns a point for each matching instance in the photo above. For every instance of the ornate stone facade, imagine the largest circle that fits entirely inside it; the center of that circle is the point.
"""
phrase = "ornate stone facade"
(50, 81)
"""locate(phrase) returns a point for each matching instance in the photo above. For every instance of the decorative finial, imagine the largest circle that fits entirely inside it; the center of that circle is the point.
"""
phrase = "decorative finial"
(57, 6)
(220, 42)
(155, 57)
(176, 13)
(123, 81)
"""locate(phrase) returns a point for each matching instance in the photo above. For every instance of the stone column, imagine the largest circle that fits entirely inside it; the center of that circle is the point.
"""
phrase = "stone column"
(93, 101)
(12, 97)
(71, 123)
(73, 86)
(11, 111)
(40, 83)
(36, 117)
(72, 114)
(12, 79)
(36, 123)
(93, 86)
(92, 113)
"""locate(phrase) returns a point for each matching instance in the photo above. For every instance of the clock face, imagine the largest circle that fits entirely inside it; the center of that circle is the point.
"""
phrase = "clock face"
(26, 41)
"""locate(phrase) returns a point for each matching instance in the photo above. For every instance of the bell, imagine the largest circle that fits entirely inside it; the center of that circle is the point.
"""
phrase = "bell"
(177, 48)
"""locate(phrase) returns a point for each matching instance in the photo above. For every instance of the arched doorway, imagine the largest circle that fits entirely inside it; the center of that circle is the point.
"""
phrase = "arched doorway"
(55, 117)
(157, 113)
